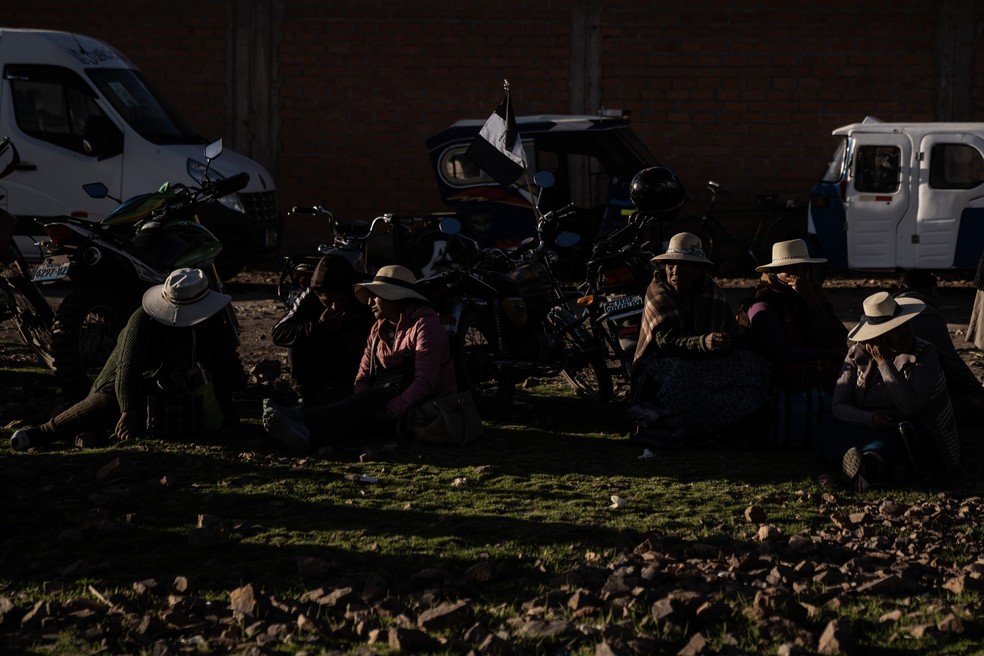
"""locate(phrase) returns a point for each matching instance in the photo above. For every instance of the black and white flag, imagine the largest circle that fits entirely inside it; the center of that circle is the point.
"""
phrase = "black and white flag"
(498, 148)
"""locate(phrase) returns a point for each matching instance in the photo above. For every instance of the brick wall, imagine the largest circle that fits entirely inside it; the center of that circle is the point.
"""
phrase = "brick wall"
(743, 93)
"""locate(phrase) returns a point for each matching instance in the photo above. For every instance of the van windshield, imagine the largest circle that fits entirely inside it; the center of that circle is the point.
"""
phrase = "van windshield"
(146, 111)
(835, 169)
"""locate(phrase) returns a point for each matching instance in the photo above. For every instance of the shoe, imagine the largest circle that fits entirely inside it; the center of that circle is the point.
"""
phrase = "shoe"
(24, 438)
(285, 426)
(910, 443)
(852, 466)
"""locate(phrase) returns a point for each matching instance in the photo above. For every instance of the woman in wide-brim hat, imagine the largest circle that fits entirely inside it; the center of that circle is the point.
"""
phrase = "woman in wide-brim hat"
(894, 418)
(690, 346)
(407, 360)
(795, 327)
(179, 326)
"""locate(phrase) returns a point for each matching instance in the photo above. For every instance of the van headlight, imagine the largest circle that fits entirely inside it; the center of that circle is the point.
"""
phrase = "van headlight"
(197, 170)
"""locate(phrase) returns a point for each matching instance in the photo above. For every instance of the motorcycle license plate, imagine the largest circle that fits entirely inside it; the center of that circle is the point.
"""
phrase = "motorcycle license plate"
(50, 271)
(623, 304)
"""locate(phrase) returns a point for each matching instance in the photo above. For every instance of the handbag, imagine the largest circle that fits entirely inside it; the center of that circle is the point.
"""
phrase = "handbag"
(450, 419)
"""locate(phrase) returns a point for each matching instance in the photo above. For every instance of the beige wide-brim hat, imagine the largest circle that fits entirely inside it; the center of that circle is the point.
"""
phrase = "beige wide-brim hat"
(786, 253)
(882, 313)
(685, 247)
(184, 299)
(392, 283)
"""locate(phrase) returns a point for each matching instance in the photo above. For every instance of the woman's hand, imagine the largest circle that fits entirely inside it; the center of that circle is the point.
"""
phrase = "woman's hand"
(127, 427)
(880, 420)
(716, 342)
(877, 351)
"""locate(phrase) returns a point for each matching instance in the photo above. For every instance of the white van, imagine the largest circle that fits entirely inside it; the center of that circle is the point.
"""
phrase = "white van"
(902, 196)
(78, 111)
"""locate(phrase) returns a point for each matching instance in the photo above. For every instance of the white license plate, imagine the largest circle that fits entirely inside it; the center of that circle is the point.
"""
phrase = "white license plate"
(624, 303)
(51, 271)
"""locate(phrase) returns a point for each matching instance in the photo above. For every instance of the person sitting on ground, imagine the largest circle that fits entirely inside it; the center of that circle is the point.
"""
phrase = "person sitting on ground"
(893, 416)
(692, 349)
(178, 327)
(966, 391)
(406, 361)
(975, 329)
(796, 329)
(325, 333)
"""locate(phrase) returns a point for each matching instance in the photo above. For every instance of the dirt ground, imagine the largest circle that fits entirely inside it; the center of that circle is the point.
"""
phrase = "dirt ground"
(259, 309)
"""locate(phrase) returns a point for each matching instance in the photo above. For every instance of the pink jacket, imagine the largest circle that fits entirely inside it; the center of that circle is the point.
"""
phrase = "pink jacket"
(420, 331)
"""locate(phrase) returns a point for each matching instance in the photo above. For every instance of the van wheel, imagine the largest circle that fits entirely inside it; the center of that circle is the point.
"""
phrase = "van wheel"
(86, 326)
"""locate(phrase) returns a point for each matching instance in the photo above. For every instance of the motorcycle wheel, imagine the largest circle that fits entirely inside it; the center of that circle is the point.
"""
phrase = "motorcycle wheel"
(586, 369)
(85, 329)
(473, 351)
(32, 316)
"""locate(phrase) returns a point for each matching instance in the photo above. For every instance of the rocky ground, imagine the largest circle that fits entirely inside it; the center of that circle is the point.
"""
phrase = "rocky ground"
(661, 593)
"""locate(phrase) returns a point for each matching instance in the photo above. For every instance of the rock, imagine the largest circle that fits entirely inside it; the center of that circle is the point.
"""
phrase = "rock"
(445, 616)
(835, 639)
(242, 601)
(410, 640)
(755, 514)
(695, 646)
(768, 532)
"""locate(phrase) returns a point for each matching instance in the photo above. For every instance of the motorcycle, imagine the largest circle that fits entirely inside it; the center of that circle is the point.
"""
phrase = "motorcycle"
(509, 318)
(420, 247)
(111, 263)
(20, 299)
(618, 271)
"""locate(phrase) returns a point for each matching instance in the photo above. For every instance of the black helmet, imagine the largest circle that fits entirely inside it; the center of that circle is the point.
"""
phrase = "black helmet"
(657, 191)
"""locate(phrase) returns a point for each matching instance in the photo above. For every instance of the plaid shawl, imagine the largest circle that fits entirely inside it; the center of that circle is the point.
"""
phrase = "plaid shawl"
(693, 315)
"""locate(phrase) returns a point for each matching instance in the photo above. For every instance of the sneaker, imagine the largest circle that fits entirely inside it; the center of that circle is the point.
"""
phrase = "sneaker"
(285, 426)
(910, 444)
(852, 466)
(24, 438)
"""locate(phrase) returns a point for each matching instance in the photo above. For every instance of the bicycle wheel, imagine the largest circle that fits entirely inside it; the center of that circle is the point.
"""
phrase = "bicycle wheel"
(783, 229)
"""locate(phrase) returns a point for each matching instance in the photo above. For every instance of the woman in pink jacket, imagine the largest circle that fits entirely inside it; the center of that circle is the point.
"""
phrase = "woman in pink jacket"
(407, 360)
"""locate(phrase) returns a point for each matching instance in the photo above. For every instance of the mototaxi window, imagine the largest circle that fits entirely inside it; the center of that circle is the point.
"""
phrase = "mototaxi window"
(955, 166)
(876, 169)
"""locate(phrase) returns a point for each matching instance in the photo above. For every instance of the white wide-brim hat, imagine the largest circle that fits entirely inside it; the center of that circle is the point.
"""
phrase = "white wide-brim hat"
(882, 313)
(392, 283)
(787, 253)
(184, 299)
(685, 247)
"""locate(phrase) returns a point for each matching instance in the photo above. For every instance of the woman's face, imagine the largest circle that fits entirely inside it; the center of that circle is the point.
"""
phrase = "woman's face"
(682, 275)
(899, 339)
(384, 310)
(790, 275)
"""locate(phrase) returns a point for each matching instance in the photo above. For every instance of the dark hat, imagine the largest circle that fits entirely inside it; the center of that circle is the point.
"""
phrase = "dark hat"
(333, 274)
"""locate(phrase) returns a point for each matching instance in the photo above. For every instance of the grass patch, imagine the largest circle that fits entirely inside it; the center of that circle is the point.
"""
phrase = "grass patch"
(532, 499)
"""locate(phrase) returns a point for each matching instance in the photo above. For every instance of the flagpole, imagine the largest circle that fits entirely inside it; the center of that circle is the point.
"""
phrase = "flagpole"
(526, 172)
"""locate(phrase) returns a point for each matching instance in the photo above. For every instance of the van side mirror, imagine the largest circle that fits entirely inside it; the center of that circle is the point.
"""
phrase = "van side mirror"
(9, 158)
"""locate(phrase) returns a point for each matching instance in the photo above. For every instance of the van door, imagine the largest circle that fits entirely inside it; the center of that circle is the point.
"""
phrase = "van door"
(64, 139)
(950, 219)
(876, 198)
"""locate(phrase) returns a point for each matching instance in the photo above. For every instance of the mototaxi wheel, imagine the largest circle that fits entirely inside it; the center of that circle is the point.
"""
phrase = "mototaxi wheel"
(85, 329)
(31, 314)
(473, 350)
(585, 359)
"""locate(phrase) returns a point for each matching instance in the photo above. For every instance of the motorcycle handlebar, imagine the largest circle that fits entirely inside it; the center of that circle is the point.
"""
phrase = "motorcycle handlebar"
(230, 185)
